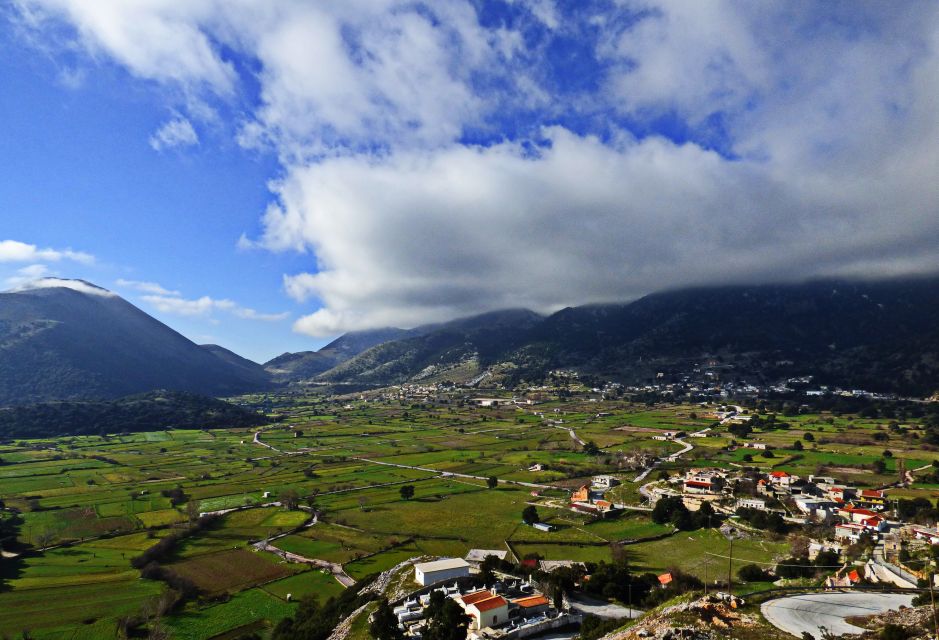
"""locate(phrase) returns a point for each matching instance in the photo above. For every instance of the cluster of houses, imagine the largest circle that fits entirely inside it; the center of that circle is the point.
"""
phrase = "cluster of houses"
(589, 498)
(854, 513)
(511, 608)
(817, 498)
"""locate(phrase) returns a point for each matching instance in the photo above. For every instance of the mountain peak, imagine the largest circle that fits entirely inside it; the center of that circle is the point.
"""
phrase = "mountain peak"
(81, 286)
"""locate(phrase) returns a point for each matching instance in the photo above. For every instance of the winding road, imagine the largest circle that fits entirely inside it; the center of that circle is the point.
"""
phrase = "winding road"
(811, 612)
(451, 474)
(335, 569)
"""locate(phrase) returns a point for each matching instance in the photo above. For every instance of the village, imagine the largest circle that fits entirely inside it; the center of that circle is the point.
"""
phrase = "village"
(865, 542)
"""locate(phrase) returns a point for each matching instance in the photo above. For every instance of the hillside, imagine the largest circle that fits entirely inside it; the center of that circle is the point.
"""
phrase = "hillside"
(880, 336)
(145, 412)
(78, 341)
(485, 340)
(291, 367)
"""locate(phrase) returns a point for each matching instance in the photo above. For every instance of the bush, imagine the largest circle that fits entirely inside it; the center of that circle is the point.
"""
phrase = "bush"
(893, 632)
(752, 573)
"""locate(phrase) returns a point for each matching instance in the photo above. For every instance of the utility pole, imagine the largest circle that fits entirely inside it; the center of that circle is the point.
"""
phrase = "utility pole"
(630, 587)
(707, 559)
(932, 598)
(730, 569)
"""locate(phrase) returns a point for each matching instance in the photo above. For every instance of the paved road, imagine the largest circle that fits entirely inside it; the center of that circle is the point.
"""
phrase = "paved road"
(890, 572)
(811, 611)
(687, 447)
(257, 440)
(451, 474)
(602, 608)
(336, 570)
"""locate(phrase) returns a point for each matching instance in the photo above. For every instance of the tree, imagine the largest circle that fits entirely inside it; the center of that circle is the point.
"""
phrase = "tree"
(45, 538)
(192, 511)
(384, 625)
(446, 620)
(797, 445)
(808, 437)
(591, 448)
(488, 568)
(671, 509)
(492, 482)
(740, 430)
(310, 622)
(751, 573)
(530, 515)
(290, 499)
(407, 491)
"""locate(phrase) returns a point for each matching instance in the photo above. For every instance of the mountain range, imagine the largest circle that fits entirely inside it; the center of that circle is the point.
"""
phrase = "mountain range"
(69, 340)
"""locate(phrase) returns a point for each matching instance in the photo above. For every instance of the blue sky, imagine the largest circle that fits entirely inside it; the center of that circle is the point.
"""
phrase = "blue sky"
(267, 175)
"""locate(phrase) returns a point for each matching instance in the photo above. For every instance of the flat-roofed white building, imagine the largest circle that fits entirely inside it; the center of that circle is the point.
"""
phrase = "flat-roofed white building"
(426, 573)
(478, 556)
(605, 482)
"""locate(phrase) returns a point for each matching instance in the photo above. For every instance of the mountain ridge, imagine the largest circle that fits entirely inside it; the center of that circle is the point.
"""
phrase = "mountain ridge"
(72, 342)
(874, 334)
(67, 340)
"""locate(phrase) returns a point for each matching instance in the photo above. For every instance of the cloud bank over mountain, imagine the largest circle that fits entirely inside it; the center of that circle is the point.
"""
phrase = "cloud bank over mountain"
(449, 158)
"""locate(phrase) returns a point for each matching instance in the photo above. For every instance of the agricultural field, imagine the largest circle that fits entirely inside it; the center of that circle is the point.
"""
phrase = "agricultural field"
(82, 508)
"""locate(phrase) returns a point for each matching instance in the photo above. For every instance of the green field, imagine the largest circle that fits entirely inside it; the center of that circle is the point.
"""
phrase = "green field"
(110, 498)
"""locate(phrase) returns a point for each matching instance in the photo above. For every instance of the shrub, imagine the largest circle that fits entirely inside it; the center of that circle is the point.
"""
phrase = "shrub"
(752, 573)
(893, 632)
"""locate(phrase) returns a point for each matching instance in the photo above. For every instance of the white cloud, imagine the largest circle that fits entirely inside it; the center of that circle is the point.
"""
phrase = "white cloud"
(824, 117)
(177, 132)
(205, 306)
(76, 285)
(15, 251)
(158, 40)
(27, 274)
(426, 236)
(152, 288)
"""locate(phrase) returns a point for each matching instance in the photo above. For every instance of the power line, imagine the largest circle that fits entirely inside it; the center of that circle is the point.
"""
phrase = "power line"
(775, 564)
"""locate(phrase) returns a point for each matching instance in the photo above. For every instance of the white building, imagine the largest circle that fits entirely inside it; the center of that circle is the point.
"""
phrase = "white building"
(605, 482)
(477, 556)
(751, 503)
(485, 608)
(426, 573)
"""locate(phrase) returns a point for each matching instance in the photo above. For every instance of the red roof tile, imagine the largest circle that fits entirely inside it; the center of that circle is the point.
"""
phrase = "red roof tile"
(493, 602)
(532, 601)
(476, 596)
